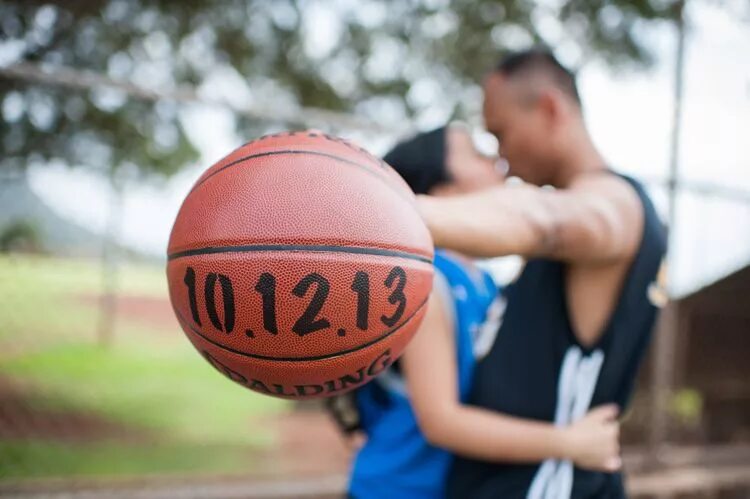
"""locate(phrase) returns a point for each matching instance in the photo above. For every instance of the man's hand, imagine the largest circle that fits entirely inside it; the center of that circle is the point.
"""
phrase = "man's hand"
(592, 442)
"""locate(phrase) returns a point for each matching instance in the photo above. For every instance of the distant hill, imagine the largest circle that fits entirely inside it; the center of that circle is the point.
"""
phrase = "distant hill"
(19, 205)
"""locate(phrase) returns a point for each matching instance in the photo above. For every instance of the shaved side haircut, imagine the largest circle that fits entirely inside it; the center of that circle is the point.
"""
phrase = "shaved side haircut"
(536, 66)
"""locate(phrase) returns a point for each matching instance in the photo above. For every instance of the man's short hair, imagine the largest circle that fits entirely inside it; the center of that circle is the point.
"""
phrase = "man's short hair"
(540, 61)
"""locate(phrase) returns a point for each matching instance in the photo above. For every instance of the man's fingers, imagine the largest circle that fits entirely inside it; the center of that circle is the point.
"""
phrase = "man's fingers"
(608, 412)
(612, 432)
(613, 463)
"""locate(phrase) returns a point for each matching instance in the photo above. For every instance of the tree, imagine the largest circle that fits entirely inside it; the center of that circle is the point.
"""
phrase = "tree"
(386, 59)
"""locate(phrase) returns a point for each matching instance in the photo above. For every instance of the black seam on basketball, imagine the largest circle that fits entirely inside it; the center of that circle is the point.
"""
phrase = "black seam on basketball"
(304, 151)
(356, 250)
(182, 320)
(325, 136)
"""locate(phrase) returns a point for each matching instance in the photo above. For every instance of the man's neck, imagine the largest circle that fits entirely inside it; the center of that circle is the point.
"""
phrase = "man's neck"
(580, 157)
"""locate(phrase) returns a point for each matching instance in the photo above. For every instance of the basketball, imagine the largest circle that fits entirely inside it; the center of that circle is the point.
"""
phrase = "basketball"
(298, 265)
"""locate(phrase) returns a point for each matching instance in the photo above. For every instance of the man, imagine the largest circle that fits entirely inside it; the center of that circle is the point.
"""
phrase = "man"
(578, 319)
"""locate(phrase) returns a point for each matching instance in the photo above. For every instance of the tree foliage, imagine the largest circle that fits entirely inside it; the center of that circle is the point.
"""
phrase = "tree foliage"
(383, 59)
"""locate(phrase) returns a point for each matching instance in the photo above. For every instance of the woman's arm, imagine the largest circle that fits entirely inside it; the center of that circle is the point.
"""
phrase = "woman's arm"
(430, 370)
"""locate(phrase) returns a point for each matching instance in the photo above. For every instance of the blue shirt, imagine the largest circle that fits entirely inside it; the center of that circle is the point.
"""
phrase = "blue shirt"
(396, 461)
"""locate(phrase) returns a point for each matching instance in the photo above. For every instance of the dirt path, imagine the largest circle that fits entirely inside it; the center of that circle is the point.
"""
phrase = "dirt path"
(24, 415)
(146, 310)
(308, 444)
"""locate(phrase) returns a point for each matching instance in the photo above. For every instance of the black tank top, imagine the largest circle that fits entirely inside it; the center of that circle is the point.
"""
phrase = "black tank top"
(536, 355)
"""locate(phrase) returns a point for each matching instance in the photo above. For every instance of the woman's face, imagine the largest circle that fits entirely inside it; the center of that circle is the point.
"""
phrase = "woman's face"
(468, 169)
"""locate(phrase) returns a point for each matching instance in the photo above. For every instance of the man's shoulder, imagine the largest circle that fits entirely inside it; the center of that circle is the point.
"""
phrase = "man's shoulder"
(618, 201)
(620, 191)
(604, 179)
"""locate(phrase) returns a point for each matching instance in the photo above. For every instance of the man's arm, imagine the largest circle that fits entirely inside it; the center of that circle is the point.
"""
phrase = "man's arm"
(430, 372)
(598, 220)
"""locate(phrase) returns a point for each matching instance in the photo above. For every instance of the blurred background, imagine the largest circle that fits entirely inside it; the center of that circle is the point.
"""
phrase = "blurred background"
(110, 110)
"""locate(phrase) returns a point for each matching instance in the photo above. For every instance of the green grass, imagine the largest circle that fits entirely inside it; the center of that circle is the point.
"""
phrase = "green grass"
(80, 275)
(112, 459)
(45, 298)
(169, 391)
(149, 380)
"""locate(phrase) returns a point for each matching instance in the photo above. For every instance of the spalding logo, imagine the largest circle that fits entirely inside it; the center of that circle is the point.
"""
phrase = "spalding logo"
(329, 387)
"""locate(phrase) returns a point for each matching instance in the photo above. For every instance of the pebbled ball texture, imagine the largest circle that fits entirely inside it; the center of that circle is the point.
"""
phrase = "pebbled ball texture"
(298, 265)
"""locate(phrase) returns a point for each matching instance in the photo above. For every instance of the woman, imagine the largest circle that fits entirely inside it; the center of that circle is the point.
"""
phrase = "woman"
(413, 415)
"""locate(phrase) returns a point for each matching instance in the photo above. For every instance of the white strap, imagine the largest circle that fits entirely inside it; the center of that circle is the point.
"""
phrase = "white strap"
(575, 388)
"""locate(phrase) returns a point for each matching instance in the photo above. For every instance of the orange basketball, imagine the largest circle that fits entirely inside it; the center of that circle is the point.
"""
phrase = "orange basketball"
(298, 265)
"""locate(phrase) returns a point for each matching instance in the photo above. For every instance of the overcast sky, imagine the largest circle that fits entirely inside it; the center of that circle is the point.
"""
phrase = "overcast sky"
(629, 114)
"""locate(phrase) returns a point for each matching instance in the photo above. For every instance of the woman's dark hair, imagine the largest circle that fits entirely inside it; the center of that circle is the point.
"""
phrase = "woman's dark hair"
(420, 160)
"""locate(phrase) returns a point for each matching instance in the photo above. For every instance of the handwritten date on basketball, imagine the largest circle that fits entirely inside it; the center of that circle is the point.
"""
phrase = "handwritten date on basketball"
(313, 286)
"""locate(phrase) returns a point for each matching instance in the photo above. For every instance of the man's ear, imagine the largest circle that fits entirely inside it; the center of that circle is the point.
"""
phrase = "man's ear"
(550, 104)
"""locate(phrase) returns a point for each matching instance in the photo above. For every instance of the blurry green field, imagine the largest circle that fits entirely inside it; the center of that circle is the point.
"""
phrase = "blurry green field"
(183, 415)
(40, 295)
